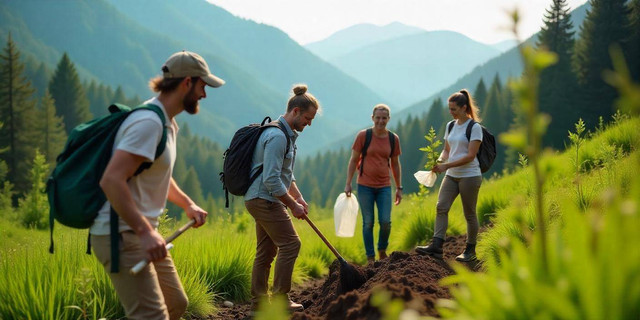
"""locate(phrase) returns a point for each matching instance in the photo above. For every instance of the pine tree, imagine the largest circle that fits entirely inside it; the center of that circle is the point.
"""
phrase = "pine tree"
(34, 206)
(606, 23)
(118, 96)
(51, 127)
(435, 118)
(480, 94)
(6, 192)
(40, 79)
(17, 111)
(558, 85)
(192, 187)
(633, 42)
(411, 158)
(97, 100)
(492, 116)
(67, 91)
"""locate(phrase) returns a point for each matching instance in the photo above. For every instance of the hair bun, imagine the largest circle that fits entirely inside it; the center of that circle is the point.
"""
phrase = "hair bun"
(299, 89)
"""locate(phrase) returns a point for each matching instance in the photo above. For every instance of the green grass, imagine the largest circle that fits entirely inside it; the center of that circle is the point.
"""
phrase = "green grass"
(215, 261)
(593, 271)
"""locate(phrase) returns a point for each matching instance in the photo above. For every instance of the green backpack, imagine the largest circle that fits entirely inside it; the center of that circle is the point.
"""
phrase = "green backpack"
(73, 189)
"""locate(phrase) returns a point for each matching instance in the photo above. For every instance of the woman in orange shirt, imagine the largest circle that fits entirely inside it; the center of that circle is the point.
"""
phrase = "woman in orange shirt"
(381, 150)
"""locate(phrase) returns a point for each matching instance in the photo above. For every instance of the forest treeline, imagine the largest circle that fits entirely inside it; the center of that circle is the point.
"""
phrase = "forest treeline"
(38, 107)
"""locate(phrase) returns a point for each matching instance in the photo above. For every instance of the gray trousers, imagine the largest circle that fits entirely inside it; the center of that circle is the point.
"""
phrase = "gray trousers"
(449, 189)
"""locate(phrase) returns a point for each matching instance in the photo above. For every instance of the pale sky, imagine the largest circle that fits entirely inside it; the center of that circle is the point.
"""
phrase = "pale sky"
(312, 20)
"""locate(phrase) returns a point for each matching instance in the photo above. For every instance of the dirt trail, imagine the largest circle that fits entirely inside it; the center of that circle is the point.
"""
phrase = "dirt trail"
(408, 276)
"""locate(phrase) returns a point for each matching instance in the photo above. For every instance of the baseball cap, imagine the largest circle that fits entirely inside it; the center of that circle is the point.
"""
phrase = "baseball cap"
(189, 64)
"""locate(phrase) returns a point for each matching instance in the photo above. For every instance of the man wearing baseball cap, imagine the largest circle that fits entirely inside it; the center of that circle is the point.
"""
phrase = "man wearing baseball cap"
(155, 292)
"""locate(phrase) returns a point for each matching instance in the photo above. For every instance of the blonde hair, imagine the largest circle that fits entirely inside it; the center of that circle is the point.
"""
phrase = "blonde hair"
(381, 106)
(462, 98)
(302, 99)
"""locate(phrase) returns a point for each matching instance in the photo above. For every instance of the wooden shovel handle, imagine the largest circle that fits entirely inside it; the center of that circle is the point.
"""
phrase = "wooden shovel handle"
(180, 231)
(313, 226)
(140, 265)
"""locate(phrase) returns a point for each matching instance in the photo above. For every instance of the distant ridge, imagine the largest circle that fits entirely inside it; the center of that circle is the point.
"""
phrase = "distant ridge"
(358, 36)
(125, 42)
(406, 69)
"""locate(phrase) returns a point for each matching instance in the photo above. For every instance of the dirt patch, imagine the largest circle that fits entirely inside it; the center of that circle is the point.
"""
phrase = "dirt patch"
(411, 277)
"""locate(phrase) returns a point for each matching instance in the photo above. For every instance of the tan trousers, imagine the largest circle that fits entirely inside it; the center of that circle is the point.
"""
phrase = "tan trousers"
(468, 189)
(154, 293)
(275, 235)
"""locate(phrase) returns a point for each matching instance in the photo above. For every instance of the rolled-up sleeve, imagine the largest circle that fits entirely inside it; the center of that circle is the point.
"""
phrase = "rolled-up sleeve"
(274, 149)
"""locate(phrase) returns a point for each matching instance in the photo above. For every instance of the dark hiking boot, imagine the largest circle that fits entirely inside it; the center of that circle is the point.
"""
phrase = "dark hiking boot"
(434, 249)
(382, 254)
(469, 253)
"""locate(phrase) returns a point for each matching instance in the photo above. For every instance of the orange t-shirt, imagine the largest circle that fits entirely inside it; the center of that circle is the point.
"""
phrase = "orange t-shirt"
(376, 172)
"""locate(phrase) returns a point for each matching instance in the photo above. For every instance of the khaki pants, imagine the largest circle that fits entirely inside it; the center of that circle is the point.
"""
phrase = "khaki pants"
(468, 189)
(154, 293)
(275, 235)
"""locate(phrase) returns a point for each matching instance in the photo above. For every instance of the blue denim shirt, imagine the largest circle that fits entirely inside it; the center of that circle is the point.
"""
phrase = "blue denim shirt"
(277, 175)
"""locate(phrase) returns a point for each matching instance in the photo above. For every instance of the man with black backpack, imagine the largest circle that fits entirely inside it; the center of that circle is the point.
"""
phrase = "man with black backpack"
(139, 198)
(272, 191)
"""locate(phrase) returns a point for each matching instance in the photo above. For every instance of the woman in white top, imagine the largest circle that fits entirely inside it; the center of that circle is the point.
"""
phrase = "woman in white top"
(463, 175)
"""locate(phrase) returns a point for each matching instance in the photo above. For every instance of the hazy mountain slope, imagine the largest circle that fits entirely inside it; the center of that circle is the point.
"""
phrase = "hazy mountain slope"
(266, 53)
(121, 45)
(358, 36)
(508, 64)
(119, 51)
(408, 68)
(504, 46)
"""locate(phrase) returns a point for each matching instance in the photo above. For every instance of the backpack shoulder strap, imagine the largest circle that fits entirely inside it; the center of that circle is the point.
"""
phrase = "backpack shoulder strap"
(163, 140)
(450, 126)
(392, 142)
(113, 217)
(367, 141)
(363, 152)
(286, 135)
(469, 127)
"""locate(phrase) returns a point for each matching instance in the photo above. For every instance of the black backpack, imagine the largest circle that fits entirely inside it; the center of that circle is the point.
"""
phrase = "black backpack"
(367, 142)
(487, 152)
(236, 175)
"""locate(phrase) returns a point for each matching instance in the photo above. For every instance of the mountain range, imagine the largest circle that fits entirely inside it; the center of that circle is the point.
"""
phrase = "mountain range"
(408, 68)
(358, 36)
(507, 65)
(125, 43)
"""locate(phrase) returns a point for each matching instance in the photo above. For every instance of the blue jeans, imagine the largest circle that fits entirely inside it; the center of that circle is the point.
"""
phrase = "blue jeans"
(382, 198)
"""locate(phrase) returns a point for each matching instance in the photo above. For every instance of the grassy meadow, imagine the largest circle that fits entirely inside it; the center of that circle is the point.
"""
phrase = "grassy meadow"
(215, 261)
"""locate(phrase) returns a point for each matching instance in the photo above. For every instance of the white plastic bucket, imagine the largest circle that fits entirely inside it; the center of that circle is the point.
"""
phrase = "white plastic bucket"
(345, 214)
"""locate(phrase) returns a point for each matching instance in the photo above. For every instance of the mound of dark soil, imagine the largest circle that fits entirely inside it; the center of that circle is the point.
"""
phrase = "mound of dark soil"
(408, 276)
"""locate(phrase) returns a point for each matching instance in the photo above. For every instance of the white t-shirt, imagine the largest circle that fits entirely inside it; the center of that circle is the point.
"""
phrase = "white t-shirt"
(140, 134)
(459, 147)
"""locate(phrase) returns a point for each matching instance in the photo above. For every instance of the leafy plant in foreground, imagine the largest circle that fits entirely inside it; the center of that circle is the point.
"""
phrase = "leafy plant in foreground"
(586, 266)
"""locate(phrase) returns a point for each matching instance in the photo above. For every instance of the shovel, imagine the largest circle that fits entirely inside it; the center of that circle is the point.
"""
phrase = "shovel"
(140, 265)
(351, 278)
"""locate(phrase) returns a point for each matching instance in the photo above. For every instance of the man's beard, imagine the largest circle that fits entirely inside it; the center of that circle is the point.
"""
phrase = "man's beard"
(190, 102)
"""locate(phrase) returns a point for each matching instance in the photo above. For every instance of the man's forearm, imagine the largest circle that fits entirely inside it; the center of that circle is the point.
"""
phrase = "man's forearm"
(177, 196)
